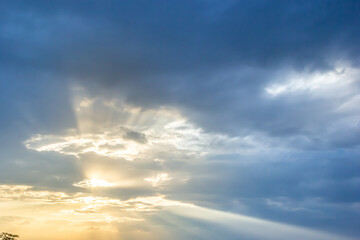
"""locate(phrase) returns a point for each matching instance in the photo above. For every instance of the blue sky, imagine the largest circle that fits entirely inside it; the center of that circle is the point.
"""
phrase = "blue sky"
(180, 119)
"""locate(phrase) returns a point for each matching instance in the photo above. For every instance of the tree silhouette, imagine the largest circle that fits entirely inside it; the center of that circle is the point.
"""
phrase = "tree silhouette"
(8, 236)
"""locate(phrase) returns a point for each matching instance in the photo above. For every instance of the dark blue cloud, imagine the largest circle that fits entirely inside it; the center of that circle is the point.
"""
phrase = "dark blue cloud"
(131, 38)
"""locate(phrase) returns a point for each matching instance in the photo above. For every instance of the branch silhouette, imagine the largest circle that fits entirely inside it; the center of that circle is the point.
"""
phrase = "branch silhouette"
(8, 236)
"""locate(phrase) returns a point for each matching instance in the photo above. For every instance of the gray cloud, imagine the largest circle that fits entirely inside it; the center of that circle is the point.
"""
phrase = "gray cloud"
(270, 90)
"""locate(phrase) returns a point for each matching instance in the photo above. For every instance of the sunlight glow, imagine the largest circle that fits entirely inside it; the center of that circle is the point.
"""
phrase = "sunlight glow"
(135, 133)
(91, 183)
(140, 137)
(104, 213)
(156, 180)
(249, 226)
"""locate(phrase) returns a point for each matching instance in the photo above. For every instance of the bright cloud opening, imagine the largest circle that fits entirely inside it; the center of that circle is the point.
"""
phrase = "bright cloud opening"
(319, 83)
(91, 183)
(158, 179)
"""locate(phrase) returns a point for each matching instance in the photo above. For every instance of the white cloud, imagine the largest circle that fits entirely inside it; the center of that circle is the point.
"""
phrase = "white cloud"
(105, 144)
(84, 201)
(336, 81)
(137, 133)
(158, 179)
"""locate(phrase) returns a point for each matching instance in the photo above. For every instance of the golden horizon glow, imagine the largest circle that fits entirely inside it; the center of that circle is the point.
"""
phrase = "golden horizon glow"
(80, 214)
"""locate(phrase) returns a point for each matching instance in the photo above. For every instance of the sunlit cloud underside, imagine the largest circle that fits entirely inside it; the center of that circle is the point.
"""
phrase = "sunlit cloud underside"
(87, 212)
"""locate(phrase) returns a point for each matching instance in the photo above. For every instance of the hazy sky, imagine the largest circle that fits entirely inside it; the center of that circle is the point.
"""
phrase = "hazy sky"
(179, 120)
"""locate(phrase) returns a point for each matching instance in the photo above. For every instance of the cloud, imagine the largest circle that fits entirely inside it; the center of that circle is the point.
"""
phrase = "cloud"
(158, 179)
(262, 172)
(247, 107)
(246, 226)
(85, 209)
(84, 201)
(91, 183)
(102, 144)
(187, 35)
(162, 128)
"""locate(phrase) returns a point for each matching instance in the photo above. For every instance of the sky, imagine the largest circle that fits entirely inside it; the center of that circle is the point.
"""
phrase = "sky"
(164, 119)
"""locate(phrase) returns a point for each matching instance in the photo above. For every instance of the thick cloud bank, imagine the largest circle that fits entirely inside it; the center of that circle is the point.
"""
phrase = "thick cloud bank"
(180, 119)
